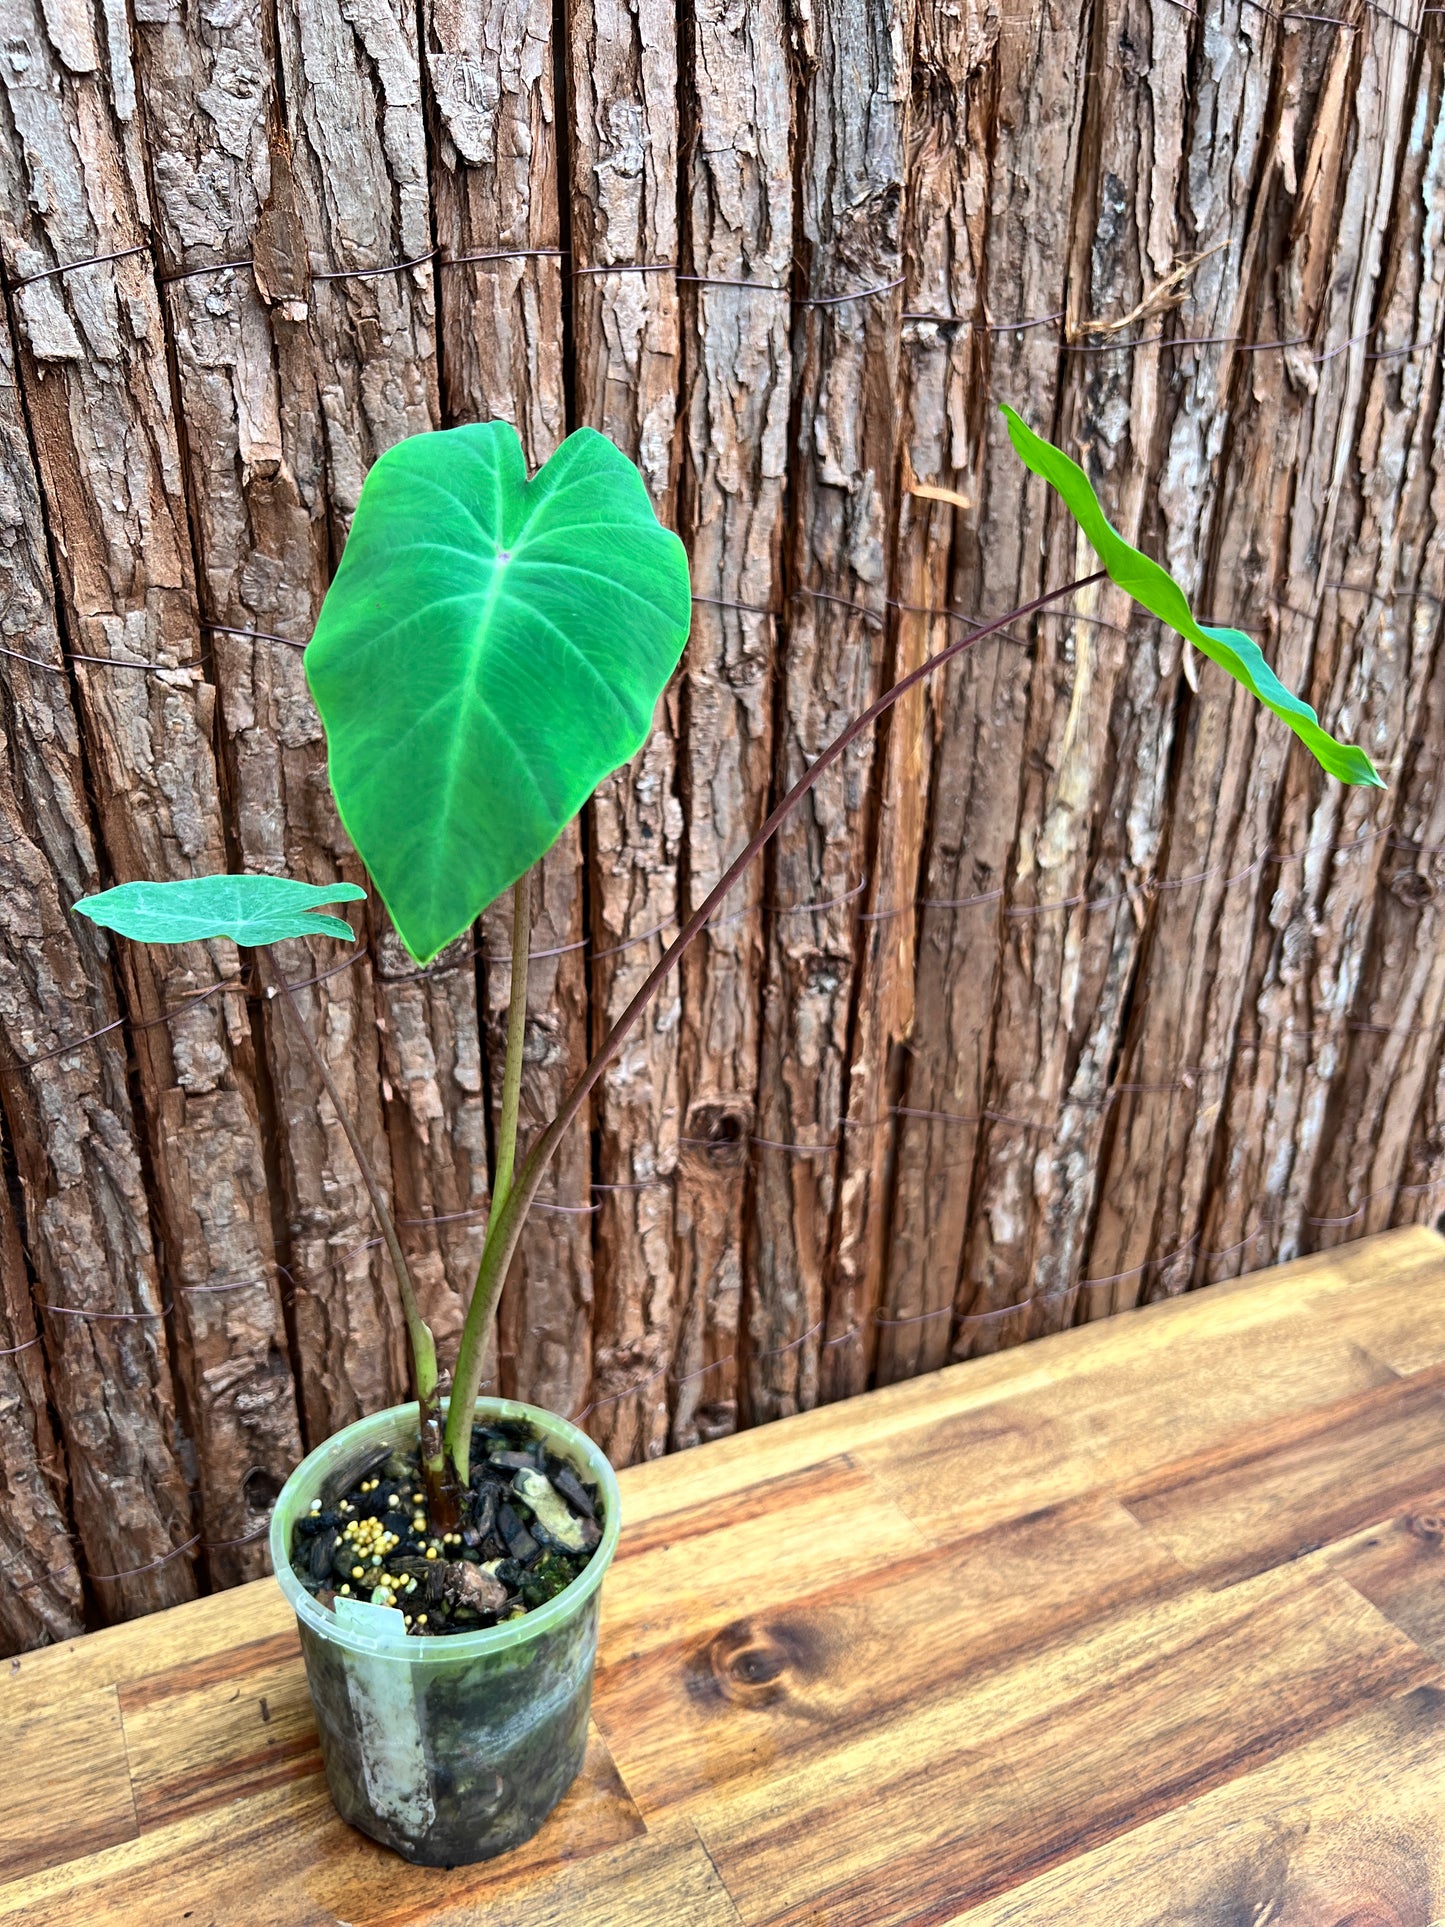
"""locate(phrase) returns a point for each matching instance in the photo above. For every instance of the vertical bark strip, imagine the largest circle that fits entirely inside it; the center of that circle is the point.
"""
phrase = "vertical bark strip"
(1019, 104)
(93, 365)
(1096, 746)
(490, 65)
(852, 110)
(73, 1143)
(40, 1592)
(1389, 975)
(623, 78)
(1307, 948)
(950, 48)
(1177, 1056)
(738, 362)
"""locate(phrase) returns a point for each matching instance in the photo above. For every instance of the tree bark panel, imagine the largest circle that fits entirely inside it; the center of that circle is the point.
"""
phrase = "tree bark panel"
(93, 367)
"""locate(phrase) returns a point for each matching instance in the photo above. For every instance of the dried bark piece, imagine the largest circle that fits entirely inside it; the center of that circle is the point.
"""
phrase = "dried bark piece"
(40, 1590)
(291, 382)
(468, 1585)
(546, 1311)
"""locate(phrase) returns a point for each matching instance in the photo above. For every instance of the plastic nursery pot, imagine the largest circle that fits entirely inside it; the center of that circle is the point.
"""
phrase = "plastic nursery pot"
(455, 1748)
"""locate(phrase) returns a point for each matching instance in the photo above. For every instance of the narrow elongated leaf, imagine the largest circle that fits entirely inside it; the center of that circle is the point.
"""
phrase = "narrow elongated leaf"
(491, 648)
(248, 910)
(1162, 596)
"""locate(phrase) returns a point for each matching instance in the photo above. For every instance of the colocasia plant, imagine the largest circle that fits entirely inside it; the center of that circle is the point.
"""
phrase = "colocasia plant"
(492, 647)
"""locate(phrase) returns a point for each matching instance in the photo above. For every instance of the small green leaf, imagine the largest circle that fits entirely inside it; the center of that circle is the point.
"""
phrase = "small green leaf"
(1162, 596)
(490, 649)
(248, 910)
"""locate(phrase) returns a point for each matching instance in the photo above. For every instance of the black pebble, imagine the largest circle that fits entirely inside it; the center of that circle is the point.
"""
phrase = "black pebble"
(320, 1554)
(484, 1517)
(573, 1491)
(520, 1543)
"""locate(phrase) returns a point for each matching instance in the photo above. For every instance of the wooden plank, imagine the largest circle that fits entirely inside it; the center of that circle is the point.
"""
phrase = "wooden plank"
(877, 1686)
(737, 380)
(71, 1794)
(1081, 1432)
(1163, 1343)
(783, 1686)
(288, 1844)
(203, 1736)
(694, 1570)
(1283, 1489)
(668, 1878)
(622, 71)
(1397, 1566)
(922, 1816)
(1345, 1828)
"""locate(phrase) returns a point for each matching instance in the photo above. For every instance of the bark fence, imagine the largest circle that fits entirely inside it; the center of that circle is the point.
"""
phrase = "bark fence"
(1074, 987)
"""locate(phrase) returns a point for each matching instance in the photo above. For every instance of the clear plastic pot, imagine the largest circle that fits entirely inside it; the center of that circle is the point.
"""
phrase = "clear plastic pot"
(454, 1748)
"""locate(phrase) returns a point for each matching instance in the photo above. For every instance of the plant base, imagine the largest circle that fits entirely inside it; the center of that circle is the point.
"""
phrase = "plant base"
(449, 1750)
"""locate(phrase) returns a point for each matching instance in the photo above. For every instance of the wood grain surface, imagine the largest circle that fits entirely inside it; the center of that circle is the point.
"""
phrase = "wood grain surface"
(1140, 1625)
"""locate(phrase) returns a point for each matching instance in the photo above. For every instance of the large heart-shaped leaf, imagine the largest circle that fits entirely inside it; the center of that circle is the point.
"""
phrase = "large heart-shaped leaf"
(1162, 596)
(248, 910)
(491, 648)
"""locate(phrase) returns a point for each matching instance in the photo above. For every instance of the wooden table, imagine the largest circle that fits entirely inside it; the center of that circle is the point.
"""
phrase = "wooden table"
(1142, 1623)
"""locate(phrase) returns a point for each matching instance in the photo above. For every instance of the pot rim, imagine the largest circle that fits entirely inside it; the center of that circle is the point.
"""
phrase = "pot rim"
(418, 1649)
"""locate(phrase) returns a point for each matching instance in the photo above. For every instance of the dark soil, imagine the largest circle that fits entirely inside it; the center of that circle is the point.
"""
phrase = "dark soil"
(529, 1526)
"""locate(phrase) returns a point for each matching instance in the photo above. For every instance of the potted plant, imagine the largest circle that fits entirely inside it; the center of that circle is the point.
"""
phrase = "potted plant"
(491, 648)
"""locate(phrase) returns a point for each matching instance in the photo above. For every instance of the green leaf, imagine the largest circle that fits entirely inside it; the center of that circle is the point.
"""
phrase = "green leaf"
(248, 910)
(491, 649)
(1157, 590)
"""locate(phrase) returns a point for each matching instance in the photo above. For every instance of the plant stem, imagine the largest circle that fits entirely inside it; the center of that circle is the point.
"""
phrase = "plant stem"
(516, 1039)
(505, 1228)
(423, 1346)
